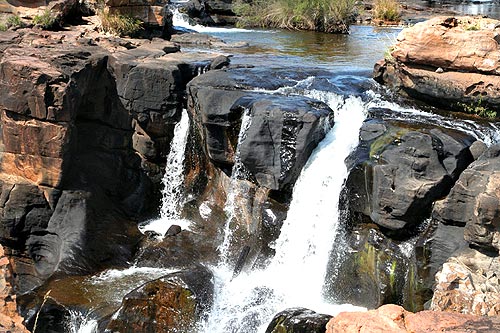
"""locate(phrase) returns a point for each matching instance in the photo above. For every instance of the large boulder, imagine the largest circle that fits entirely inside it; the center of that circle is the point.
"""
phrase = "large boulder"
(401, 169)
(474, 202)
(449, 61)
(173, 303)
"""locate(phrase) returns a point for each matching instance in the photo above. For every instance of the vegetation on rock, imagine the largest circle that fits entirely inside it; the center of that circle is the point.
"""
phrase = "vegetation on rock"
(332, 16)
(120, 25)
(46, 20)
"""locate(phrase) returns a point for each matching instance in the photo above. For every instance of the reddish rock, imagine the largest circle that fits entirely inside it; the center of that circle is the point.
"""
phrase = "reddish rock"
(394, 319)
(448, 64)
(468, 283)
(10, 320)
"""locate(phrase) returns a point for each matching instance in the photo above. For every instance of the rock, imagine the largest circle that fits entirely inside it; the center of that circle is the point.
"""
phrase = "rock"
(173, 303)
(86, 128)
(368, 269)
(400, 170)
(466, 52)
(468, 283)
(211, 12)
(298, 320)
(394, 319)
(281, 134)
(10, 320)
(474, 202)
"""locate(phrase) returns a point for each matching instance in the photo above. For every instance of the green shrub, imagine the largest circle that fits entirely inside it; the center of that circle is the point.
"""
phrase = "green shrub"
(15, 21)
(318, 15)
(3, 27)
(387, 10)
(478, 109)
(120, 25)
(46, 20)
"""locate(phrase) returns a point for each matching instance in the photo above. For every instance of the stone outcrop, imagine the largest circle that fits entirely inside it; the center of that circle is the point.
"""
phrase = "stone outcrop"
(211, 12)
(468, 283)
(474, 202)
(448, 61)
(10, 320)
(173, 303)
(85, 133)
(298, 320)
(400, 170)
(394, 319)
(259, 166)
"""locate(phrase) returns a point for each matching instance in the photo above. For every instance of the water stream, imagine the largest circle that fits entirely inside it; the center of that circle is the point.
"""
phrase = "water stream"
(173, 180)
(295, 275)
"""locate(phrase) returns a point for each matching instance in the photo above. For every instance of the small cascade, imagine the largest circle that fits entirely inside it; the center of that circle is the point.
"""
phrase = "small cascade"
(488, 132)
(183, 21)
(237, 173)
(296, 274)
(81, 323)
(173, 181)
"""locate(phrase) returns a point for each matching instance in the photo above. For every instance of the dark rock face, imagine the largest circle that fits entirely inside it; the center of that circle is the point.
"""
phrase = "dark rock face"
(85, 132)
(474, 202)
(280, 136)
(298, 320)
(211, 12)
(400, 172)
(173, 303)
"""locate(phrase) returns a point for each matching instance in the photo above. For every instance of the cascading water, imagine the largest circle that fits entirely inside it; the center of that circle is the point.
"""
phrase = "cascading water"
(236, 173)
(173, 180)
(295, 276)
(181, 20)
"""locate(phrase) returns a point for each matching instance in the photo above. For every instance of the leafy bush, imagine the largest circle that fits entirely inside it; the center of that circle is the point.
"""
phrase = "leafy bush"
(387, 10)
(15, 21)
(46, 20)
(120, 25)
(3, 27)
(478, 109)
(318, 15)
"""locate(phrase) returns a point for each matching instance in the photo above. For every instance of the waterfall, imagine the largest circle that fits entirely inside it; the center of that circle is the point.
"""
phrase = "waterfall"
(237, 172)
(296, 274)
(173, 181)
(183, 21)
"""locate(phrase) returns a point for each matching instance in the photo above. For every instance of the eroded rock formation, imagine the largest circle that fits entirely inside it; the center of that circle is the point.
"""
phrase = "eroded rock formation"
(448, 61)
(85, 131)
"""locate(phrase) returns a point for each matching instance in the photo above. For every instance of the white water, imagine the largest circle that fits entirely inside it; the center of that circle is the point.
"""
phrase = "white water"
(237, 172)
(173, 181)
(488, 132)
(296, 274)
(81, 323)
(181, 20)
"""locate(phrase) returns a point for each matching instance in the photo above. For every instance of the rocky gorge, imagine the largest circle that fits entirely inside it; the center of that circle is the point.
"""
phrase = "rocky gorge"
(88, 123)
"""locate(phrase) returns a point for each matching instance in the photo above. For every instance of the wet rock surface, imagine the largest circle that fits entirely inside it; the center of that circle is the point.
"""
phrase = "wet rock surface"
(297, 320)
(173, 303)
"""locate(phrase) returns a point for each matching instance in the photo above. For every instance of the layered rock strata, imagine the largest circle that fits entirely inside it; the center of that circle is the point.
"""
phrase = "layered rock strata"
(448, 61)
